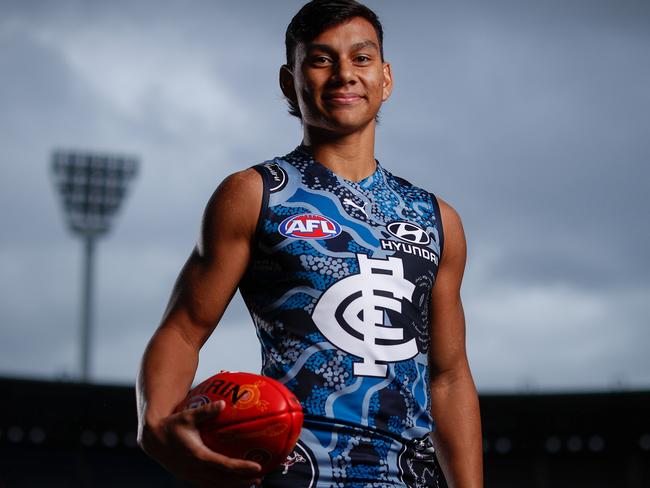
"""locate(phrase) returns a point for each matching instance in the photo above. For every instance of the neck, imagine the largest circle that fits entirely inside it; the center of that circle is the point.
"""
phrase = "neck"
(351, 156)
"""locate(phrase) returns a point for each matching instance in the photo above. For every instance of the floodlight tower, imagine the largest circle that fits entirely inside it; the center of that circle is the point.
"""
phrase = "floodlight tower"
(92, 187)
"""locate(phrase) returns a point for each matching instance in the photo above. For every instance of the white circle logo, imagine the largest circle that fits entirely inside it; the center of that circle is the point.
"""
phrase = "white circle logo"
(408, 232)
(278, 177)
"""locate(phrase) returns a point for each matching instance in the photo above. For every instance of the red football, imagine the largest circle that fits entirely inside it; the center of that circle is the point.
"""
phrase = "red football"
(261, 421)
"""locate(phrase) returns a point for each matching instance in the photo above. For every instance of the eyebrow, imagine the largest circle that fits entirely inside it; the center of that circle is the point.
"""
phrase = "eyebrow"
(354, 47)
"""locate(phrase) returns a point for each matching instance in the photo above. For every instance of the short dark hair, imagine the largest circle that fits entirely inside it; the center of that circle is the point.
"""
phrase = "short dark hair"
(317, 16)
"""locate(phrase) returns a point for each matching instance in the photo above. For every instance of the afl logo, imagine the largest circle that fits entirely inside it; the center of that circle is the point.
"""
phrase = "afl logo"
(408, 232)
(309, 226)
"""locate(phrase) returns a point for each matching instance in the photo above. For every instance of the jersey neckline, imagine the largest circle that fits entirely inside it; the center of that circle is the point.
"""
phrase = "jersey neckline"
(363, 183)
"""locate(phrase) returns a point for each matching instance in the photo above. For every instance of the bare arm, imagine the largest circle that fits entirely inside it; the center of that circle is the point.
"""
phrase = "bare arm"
(202, 291)
(454, 400)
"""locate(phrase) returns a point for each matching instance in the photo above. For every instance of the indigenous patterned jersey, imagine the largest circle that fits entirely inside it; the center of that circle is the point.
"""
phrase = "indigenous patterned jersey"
(339, 287)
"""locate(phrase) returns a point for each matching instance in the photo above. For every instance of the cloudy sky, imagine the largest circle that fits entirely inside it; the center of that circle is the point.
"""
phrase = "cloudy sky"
(531, 118)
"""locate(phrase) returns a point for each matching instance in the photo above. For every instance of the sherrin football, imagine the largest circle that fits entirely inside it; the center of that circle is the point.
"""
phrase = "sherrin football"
(261, 421)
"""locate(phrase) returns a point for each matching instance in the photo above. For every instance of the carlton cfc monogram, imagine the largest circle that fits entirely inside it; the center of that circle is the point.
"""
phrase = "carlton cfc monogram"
(351, 315)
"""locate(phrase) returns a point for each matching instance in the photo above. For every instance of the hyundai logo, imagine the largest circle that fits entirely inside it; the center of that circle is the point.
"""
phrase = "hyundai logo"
(408, 232)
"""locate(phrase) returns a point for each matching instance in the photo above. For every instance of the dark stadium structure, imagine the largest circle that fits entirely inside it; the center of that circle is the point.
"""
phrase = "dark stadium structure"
(59, 434)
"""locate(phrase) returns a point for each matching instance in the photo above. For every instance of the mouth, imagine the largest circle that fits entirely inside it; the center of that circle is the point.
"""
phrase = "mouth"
(342, 98)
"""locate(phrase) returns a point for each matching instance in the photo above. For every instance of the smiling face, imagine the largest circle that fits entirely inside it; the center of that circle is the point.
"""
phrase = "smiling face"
(339, 80)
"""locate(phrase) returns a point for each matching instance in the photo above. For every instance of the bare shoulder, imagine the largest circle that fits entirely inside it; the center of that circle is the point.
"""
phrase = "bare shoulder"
(455, 246)
(449, 215)
(237, 187)
(233, 209)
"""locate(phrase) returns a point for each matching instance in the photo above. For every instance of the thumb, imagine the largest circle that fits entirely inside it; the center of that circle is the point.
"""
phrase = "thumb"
(205, 412)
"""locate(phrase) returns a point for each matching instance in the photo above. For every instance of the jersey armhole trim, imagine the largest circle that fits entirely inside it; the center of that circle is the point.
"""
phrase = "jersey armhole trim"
(438, 216)
(265, 199)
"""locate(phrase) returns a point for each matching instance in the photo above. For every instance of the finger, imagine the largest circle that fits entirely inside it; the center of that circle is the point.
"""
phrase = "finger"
(241, 467)
(205, 412)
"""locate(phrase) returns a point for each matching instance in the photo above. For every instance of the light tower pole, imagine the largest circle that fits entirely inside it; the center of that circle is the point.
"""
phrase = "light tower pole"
(92, 187)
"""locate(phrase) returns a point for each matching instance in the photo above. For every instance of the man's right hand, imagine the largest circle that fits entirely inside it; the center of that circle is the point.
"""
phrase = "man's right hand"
(175, 442)
(202, 291)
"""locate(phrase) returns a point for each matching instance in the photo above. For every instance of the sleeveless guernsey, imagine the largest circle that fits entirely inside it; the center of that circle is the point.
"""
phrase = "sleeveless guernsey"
(339, 286)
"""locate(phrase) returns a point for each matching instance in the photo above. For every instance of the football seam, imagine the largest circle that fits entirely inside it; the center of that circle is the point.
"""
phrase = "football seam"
(220, 426)
(273, 384)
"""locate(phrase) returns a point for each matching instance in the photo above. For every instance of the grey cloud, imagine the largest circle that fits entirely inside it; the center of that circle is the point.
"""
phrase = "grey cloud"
(531, 119)
(542, 106)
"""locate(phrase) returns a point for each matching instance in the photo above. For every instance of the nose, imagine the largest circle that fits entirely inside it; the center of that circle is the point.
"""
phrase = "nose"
(343, 72)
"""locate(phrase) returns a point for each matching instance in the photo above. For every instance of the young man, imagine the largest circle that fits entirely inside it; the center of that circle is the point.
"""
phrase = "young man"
(353, 286)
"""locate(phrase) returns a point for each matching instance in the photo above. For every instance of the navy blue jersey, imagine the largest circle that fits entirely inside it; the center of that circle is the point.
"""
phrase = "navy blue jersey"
(339, 286)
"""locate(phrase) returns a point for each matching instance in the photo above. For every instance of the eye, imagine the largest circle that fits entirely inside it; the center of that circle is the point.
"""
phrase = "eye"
(362, 58)
(320, 60)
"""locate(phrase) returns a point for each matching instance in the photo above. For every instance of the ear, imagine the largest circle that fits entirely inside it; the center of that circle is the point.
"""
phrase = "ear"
(388, 82)
(286, 83)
